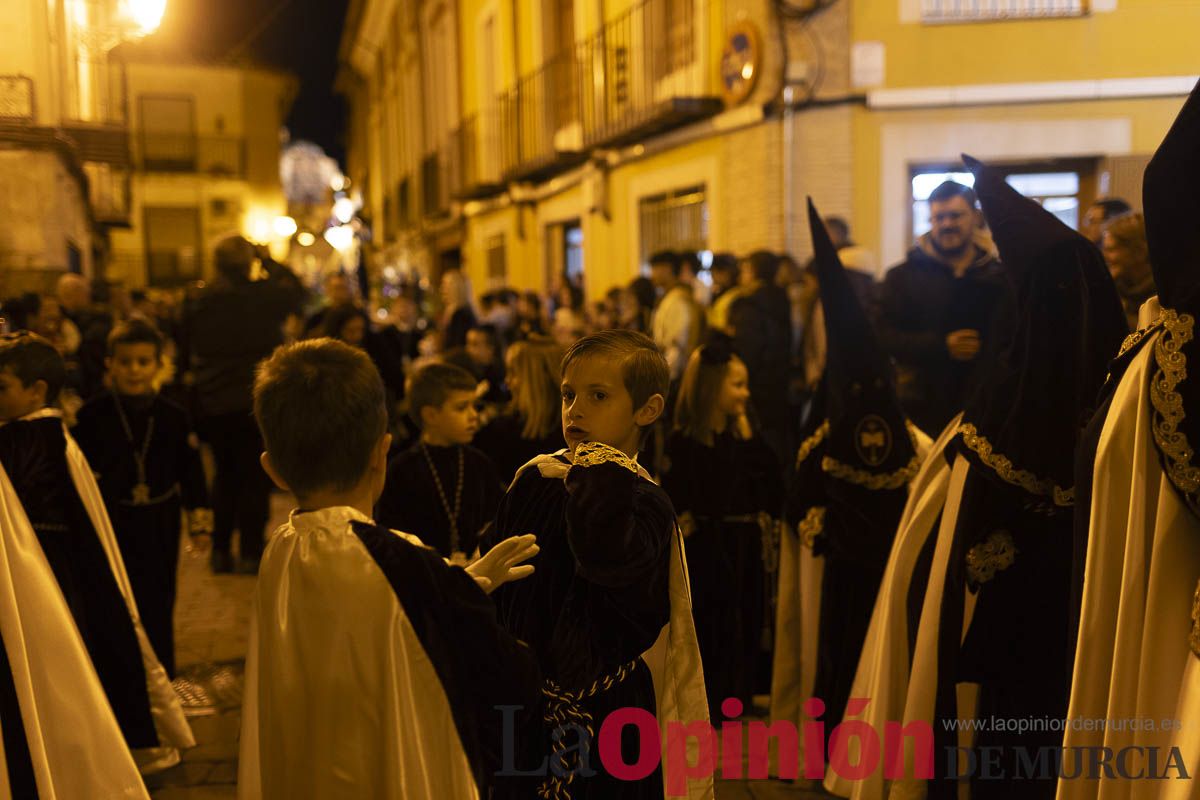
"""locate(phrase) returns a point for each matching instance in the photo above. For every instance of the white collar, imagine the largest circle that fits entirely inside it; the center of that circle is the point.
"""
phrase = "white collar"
(330, 518)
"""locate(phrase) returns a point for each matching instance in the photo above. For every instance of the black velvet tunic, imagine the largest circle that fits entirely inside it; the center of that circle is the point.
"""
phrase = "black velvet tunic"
(725, 487)
(34, 455)
(148, 535)
(597, 601)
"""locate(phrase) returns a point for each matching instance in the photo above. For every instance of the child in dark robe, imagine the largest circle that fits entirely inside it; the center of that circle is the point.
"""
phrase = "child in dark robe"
(54, 484)
(147, 463)
(608, 608)
(375, 668)
(728, 491)
(442, 489)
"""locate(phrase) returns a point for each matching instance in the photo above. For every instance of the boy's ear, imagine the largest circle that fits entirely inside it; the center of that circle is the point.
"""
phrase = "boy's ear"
(108, 363)
(269, 468)
(379, 458)
(425, 413)
(649, 413)
(42, 388)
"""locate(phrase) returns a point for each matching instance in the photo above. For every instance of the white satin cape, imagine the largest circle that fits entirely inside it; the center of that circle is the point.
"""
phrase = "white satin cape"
(883, 668)
(1143, 561)
(334, 620)
(165, 709)
(75, 745)
(674, 659)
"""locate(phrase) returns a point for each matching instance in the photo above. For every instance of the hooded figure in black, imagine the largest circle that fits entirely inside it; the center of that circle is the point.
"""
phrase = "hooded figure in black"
(853, 467)
(1137, 532)
(1010, 557)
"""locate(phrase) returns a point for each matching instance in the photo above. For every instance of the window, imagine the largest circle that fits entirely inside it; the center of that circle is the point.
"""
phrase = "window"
(1058, 186)
(497, 261)
(168, 133)
(564, 253)
(172, 245)
(940, 11)
(673, 221)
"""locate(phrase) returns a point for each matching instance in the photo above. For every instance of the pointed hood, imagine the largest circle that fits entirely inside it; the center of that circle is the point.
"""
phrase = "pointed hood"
(867, 430)
(1171, 207)
(1023, 422)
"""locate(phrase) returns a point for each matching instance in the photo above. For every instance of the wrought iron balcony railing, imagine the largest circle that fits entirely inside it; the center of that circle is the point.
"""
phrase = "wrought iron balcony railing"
(180, 152)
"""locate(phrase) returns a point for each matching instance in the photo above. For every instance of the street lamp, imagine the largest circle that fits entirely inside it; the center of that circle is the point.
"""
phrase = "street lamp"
(146, 15)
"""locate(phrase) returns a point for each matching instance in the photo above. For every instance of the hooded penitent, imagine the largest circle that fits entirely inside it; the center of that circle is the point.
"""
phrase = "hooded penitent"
(853, 467)
(1003, 556)
(1138, 534)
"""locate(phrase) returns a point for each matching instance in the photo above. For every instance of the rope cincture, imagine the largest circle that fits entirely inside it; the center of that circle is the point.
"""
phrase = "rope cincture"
(565, 708)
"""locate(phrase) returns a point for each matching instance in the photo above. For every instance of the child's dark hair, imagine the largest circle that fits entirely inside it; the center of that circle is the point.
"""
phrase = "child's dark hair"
(31, 359)
(321, 409)
(432, 384)
(135, 331)
(643, 368)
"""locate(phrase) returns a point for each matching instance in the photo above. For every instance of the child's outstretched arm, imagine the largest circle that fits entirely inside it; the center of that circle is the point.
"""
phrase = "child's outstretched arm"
(503, 563)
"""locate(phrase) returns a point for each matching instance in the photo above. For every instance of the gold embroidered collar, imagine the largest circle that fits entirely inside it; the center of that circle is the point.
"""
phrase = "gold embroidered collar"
(877, 481)
(1169, 407)
(1003, 466)
(810, 444)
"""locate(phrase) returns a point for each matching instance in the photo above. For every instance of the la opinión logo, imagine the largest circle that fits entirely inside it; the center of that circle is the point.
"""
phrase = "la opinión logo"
(700, 738)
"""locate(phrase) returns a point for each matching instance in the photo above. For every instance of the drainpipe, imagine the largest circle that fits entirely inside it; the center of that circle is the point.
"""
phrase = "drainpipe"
(789, 166)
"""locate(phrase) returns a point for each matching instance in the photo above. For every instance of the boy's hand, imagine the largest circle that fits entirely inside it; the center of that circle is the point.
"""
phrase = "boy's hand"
(499, 566)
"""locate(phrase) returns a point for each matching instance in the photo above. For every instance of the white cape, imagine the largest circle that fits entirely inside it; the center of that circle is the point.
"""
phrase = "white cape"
(1143, 561)
(334, 620)
(75, 745)
(883, 669)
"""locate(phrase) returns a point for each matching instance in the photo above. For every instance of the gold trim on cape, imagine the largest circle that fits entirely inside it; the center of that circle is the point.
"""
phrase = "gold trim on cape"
(877, 481)
(994, 554)
(1168, 403)
(809, 528)
(810, 444)
(1194, 639)
(590, 454)
(1004, 467)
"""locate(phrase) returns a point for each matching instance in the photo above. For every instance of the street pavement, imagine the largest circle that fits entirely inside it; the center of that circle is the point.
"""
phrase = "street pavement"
(212, 626)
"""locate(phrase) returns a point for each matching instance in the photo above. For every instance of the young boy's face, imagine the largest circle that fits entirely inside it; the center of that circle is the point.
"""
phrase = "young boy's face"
(455, 421)
(17, 399)
(133, 366)
(596, 406)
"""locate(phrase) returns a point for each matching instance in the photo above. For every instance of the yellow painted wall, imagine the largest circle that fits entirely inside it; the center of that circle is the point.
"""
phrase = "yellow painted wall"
(1148, 121)
(1139, 38)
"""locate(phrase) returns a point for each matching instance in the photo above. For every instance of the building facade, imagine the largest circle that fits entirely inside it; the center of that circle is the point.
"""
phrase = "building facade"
(205, 146)
(537, 141)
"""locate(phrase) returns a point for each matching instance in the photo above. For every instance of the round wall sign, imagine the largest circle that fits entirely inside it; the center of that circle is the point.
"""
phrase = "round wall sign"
(741, 61)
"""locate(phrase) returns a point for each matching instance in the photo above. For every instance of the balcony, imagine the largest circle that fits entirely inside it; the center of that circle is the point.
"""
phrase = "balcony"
(643, 73)
(436, 180)
(477, 145)
(539, 122)
(109, 193)
(218, 156)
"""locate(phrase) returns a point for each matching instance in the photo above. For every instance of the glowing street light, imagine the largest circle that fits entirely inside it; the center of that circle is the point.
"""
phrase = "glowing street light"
(145, 14)
(284, 227)
(340, 237)
(306, 239)
(343, 210)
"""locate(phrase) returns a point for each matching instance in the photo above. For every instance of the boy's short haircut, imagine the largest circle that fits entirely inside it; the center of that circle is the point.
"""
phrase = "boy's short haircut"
(432, 384)
(643, 368)
(321, 407)
(135, 331)
(32, 358)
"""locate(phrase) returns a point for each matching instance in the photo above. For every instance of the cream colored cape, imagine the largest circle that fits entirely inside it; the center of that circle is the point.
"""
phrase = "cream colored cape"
(674, 659)
(326, 616)
(75, 745)
(883, 668)
(1143, 561)
(165, 707)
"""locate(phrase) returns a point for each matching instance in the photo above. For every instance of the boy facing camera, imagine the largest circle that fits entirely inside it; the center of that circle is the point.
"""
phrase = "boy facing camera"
(609, 608)
(374, 667)
(441, 488)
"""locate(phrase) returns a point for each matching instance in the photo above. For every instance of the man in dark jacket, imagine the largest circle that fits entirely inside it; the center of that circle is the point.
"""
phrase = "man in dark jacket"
(233, 325)
(938, 310)
(761, 321)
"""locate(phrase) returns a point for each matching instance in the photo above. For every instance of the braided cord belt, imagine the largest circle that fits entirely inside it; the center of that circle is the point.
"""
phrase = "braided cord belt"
(565, 708)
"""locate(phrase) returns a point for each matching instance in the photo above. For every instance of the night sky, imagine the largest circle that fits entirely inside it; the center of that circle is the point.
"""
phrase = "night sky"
(299, 36)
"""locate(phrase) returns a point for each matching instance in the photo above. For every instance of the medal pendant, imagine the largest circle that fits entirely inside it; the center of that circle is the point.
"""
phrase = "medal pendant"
(141, 494)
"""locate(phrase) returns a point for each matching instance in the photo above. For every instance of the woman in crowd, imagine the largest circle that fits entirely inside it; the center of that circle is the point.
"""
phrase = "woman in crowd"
(531, 424)
(458, 311)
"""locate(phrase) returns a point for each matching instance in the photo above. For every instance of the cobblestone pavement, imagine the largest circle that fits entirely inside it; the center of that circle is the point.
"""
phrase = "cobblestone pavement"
(212, 624)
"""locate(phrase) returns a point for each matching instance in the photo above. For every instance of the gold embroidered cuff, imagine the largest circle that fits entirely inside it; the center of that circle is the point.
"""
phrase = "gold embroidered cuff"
(589, 454)
(810, 444)
(988, 557)
(809, 528)
(1003, 466)
(1168, 404)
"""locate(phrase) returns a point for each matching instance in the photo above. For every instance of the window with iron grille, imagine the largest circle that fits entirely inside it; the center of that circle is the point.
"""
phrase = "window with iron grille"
(497, 260)
(673, 221)
(940, 11)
